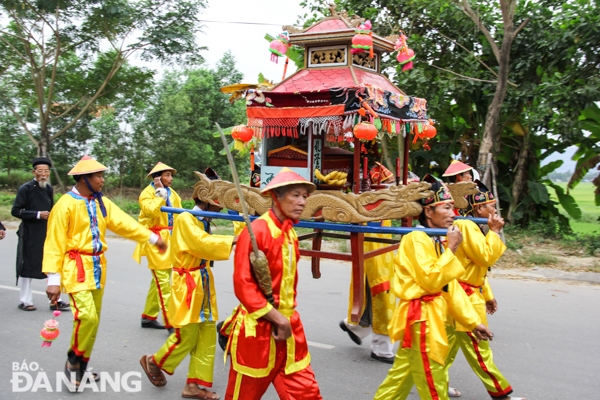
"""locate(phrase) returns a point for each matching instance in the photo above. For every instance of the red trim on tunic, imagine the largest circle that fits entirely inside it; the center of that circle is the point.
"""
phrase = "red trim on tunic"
(75, 349)
(162, 302)
(427, 367)
(168, 353)
(149, 317)
(500, 392)
(382, 287)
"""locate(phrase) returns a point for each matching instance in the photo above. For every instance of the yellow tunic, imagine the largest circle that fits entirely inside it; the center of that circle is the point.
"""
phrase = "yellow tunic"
(420, 271)
(151, 217)
(477, 253)
(190, 246)
(76, 225)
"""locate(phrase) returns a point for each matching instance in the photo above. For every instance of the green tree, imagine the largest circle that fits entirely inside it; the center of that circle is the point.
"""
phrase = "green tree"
(553, 75)
(180, 120)
(64, 60)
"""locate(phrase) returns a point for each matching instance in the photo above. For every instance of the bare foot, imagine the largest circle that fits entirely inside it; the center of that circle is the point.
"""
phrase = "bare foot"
(193, 391)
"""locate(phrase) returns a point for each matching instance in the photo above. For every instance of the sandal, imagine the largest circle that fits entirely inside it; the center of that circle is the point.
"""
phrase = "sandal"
(157, 379)
(30, 307)
(74, 380)
(204, 394)
(453, 392)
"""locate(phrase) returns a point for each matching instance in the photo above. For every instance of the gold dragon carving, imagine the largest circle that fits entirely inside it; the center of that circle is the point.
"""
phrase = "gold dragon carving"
(394, 202)
(461, 189)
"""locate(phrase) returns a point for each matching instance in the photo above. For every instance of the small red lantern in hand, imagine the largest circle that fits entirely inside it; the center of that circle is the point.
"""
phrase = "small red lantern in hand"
(50, 331)
(365, 131)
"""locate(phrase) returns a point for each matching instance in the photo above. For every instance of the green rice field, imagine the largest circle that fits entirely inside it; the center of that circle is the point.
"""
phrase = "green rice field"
(584, 195)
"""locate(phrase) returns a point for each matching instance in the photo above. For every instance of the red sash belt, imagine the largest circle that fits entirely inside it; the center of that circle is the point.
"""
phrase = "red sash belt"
(414, 314)
(76, 255)
(190, 282)
(469, 289)
(157, 229)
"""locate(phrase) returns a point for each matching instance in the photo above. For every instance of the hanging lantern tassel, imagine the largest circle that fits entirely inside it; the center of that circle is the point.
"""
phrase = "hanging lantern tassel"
(405, 55)
(50, 331)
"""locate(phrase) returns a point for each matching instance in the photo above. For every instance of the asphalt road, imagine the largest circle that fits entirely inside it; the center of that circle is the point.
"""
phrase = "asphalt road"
(544, 343)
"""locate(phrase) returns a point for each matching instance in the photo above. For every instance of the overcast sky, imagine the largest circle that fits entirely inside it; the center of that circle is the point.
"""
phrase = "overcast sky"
(246, 41)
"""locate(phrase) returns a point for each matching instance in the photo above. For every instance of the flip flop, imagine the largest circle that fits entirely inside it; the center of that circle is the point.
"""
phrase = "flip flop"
(77, 371)
(201, 395)
(158, 379)
(30, 307)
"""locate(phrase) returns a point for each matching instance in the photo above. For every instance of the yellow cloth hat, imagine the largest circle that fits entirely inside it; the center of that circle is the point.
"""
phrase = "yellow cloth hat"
(87, 165)
(160, 167)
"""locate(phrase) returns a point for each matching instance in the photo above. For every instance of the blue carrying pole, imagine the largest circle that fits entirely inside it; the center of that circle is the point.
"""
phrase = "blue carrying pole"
(330, 226)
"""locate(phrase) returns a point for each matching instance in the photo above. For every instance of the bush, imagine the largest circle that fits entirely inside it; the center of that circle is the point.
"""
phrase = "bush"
(588, 242)
(542, 259)
(15, 180)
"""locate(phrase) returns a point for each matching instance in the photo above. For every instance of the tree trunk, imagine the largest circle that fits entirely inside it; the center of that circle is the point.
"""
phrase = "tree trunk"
(520, 178)
(43, 152)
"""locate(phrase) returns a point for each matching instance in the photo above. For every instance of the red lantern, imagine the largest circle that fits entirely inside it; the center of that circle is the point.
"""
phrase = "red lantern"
(405, 55)
(50, 331)
(365, 131)
(429, 132)
(242, 133)
(279, 46)
(363, 40)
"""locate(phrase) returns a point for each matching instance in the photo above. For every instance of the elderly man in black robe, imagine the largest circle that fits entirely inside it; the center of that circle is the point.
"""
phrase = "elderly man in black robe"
(32, 205)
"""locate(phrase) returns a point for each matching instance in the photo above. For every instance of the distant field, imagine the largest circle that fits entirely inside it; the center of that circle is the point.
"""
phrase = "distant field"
(584, 195)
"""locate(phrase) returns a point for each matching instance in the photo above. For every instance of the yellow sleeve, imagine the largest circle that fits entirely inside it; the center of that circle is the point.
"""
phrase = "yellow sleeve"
(460, 306)
(487, 291)
(430, 272)
(123, 224)
(55, 245)
(150, 204)
(482, 250)
(199, 243)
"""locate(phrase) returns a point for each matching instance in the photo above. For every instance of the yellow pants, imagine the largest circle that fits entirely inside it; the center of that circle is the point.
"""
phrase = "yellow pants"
(480, 358)
(413, 366)
(158, 296)
(199, 341)
(86, 307)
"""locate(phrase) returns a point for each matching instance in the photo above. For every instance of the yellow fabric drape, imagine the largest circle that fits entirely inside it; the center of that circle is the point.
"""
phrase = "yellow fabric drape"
(150, 216)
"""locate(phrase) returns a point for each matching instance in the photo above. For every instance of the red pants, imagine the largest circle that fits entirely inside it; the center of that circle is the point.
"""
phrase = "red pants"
(299, 385)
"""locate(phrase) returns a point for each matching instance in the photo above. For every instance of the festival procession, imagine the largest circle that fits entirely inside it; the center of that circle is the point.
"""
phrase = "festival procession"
(194, 310)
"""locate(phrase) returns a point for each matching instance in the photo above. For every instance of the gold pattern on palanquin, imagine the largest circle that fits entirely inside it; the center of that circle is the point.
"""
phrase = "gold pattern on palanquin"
(328, 56)
(394, 202)
(363, 60)
(461, 189)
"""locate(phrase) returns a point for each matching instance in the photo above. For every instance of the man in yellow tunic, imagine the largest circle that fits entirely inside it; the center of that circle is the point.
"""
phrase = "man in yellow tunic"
(425, 282)
(74, 255)
(193, 305)
(477, 253)
(156, 195)
(379, 305)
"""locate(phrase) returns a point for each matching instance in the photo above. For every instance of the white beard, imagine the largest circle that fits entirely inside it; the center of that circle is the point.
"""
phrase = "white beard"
(43, 184)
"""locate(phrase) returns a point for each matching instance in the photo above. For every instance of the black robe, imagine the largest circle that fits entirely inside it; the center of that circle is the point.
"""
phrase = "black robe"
(30, 199)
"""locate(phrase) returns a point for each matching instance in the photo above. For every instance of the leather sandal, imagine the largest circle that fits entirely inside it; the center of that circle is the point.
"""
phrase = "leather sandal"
(157, 379)
(30, 307)
(69, 370)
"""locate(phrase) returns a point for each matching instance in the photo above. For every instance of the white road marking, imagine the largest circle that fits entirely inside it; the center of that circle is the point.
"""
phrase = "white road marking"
(18, 288)
(320, 345)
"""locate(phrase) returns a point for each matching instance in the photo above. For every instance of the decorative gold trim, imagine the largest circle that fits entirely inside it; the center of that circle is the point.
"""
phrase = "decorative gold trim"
(394, 202)
(461, 189)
